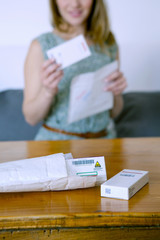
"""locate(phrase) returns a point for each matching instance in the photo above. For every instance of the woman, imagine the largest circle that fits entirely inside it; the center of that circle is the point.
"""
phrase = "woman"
(46, 93)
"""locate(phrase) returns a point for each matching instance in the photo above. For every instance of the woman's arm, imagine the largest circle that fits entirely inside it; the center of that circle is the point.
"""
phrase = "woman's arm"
(41, 84)
(116, 83)
(118, 106)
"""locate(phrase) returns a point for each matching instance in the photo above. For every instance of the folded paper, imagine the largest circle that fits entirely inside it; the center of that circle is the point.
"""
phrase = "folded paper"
(87, 95)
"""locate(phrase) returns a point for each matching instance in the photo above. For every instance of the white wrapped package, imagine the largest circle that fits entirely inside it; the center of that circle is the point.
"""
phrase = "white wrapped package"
(48, 173)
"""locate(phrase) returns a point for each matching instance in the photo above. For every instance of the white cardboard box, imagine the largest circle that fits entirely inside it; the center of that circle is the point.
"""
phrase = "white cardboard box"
(124, 184)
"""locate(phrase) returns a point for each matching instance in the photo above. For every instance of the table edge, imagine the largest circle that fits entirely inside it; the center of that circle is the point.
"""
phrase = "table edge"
(81, 220)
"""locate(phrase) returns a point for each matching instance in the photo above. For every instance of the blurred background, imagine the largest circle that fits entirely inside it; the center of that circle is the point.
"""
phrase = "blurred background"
(134, 23)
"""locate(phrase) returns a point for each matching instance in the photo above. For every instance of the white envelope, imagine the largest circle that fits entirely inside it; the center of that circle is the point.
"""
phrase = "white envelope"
(87, 95)
(70, 52)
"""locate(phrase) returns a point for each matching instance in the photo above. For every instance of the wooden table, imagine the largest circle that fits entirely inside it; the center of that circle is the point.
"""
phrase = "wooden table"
(83, 214)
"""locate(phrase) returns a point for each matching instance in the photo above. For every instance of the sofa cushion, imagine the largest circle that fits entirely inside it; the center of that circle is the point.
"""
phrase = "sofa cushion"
(12, 123)
(140, 116)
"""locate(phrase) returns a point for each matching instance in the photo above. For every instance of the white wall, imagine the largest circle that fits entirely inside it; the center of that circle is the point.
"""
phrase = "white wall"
(135, 24)
(20, 22)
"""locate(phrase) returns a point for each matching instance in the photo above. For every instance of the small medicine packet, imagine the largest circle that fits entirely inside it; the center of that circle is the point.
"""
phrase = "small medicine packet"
(124, 184)
(93, 167)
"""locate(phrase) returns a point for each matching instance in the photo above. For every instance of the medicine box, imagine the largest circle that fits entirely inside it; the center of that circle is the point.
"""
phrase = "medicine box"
(124, 184)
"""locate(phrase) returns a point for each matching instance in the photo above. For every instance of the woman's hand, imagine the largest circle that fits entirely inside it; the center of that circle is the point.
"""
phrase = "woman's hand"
(115, 83)
(51, 76)
(41, 84)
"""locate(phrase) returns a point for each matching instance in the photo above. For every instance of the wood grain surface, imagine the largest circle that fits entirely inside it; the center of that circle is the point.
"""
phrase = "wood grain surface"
(84, 208)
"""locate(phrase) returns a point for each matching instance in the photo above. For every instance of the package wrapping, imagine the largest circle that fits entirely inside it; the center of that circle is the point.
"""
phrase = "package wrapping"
(48, 173)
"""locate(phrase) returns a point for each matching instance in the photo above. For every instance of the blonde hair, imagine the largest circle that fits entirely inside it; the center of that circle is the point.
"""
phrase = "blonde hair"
(97, 27)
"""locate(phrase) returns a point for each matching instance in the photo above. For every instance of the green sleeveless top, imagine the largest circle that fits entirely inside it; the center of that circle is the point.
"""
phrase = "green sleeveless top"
(57, 116)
